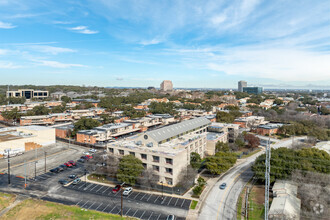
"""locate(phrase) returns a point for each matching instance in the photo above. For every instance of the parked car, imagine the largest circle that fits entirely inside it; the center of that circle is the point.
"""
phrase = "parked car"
(72, 162)
(54, 170)
(92, 150)
(68, 164)
(223, 186)
(89, 156)
(116, 189)
(60, 169)
(127, 191)
(76, 181)
(86, 153)
(63, 166)
(63, 182)
(81, 160)
(73, 176)
(170, 217)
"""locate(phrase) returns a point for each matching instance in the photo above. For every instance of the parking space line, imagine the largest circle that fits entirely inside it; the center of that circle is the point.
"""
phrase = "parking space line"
(143, 196)
(156, 199)
(91, 205)
(84, 204)
(118, 212)
(159, 216)
(150, 215)
(129, 195)
(105, 207)
(136, 195)
(135, 213)
(182, 203)
(113, 209)
(169, 201)
(127, 211)
(105, 190)
(98, 206)
(99, 188)
(142, 214)
(88, 186)
(165, 197)
(82, 184)
(79, 202)
(149, 197)
(176, 201)
(94, 187)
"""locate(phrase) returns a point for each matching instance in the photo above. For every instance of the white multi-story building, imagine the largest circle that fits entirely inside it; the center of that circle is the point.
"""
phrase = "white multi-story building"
(241, 85)
(166, 150)
(166, 85)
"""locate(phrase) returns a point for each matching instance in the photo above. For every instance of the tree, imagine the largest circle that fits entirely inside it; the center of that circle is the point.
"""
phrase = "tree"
(220, 162)
(59, 108)
(239, 142)
(86, 124)
(106, 118)
(148, 179)
(278, 102)
(187, 177)
(253, 141)
(130, 168)
(195, 160)
(224, 117)
(39, 110)
(11, 114)
(220, 146)
(66, 99)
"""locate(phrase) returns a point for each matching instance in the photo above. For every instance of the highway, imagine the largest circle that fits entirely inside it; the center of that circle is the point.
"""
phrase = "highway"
(221, 204)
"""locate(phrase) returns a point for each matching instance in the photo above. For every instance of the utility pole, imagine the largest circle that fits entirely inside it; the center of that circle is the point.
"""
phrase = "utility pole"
(85, 177)
(8, 98)
(25, 174)
(121, 211)
(8, 151)
(45, 161)
(267, 179)
(162, 190)
(35, 170)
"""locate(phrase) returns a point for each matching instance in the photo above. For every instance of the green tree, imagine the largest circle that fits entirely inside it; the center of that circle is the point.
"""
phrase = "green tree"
(59, 108)
(220, 146)
(11, 114)
(66, 99)
(86, 124)
(278, 102)
(195, 160)
(130, 168)
(106, 118)
(224, 117)
(39, 110)
(220, 162)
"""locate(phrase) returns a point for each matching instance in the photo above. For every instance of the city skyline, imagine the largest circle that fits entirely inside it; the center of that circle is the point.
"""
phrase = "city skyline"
(213, 44)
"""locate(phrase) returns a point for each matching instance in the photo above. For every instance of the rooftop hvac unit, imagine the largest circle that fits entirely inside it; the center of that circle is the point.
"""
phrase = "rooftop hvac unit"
(150, 144)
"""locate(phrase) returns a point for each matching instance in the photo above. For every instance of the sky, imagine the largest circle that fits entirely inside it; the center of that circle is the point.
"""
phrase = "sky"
(139, 43)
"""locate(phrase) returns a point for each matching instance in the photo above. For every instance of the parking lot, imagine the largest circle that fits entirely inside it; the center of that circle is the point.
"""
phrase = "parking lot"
(136, 196)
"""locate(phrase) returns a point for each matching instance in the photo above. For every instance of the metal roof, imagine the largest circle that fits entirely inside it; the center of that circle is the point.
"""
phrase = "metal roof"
(176, 129)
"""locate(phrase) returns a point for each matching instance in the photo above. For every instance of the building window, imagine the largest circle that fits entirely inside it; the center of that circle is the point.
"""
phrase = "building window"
(169, 161)
(121, 152)
(169, 181)
(132, 153)
(144, 165)
(143, 156)
(110, 150)
(155, 159)
(169, 170)
(155, 168)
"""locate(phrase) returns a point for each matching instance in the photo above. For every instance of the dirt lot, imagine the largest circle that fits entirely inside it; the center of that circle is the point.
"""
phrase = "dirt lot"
(6, 200)
(38, 209)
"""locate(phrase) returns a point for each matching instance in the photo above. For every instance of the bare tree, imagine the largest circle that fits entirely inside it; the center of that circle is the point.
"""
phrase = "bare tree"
(187, 177)
(148, 179)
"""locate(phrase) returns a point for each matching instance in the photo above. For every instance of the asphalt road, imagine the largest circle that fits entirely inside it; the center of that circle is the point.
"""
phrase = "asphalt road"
(221, 204)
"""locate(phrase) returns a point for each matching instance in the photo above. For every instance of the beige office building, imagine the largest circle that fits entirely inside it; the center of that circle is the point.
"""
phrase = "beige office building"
(28, 93)
(166, 85)
(166, 150)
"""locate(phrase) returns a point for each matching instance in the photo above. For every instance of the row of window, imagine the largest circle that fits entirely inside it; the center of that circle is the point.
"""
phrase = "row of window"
(155, 159)
(156, 168)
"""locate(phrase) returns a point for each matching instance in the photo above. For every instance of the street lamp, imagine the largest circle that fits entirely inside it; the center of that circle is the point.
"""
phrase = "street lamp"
(7, 151)
(85, 177)
(162, 189)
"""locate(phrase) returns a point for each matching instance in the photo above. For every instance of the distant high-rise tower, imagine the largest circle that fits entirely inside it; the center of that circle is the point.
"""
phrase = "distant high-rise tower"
(166, 85)
(241, 85)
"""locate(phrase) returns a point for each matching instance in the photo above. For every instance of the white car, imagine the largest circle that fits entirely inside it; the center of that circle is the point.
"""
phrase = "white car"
(127, 191)
(86, 153)
(92, 150)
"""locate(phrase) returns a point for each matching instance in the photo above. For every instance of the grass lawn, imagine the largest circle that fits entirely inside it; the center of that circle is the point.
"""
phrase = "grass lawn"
(6, 200)
(98, 178)
(193, 204)
(256, 200)
(239, 204)
(39, 209)
(251, 153)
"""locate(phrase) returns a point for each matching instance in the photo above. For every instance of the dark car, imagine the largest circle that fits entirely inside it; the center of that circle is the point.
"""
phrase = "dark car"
(55, 170)
(63, 182)
(81, 160)
(223, 186)
(170, 217)
(72, 162)
(60, 169)
(63, 166)
(116, 189)
(73, 176)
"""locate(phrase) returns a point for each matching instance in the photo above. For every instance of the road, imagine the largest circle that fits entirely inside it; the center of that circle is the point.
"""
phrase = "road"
(221, 204)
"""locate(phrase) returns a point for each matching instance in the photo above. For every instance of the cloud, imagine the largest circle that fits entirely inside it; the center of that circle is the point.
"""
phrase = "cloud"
(4, 25)
(150, 42)
(8, 65)
(51, 49)
(119, 78)
(3, 52)
(82, 30)
(56, 64)
(218, 19)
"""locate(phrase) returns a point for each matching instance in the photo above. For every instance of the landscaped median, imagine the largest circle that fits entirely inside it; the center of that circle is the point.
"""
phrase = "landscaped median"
(39, 209)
